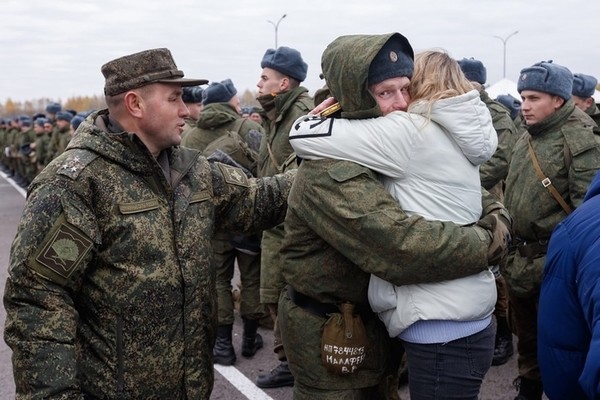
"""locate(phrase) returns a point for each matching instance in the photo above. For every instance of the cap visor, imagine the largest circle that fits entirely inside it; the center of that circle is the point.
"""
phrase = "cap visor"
(185, 82)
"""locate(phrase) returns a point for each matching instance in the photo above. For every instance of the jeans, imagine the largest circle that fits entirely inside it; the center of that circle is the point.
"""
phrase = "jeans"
(453, 370)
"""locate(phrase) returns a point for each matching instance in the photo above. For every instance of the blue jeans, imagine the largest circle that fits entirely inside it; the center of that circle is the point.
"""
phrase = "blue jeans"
(453, 370)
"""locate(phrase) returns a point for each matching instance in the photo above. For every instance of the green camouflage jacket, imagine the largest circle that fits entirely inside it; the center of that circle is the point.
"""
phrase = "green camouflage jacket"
(342, 226)
(111, 289)
(274, 156)
(569, 154)
(282, 112)
(507, 136)
(215, 120)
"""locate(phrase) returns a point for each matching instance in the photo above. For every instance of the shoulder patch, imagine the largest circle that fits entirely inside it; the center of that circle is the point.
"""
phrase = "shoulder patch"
(62, 252)
(233, 176)
(76, 162)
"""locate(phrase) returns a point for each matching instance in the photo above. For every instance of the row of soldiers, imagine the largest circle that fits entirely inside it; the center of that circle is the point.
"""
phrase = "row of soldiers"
(29, 143)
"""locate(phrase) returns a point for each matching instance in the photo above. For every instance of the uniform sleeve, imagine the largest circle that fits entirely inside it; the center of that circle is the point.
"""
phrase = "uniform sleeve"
(249, 205)
(496, 168)
(41, 321)
(358, 218)
(384, 144)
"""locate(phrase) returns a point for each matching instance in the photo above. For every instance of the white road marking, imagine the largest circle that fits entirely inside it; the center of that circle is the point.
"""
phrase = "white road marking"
(242, 383)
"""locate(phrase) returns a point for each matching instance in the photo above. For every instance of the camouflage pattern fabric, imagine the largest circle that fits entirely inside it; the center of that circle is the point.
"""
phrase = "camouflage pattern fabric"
(111, 288)
(342, 226)
(507, 137)
(282, 111)
(215, 120)
(534, 211)
(216, 135)
(594, 112)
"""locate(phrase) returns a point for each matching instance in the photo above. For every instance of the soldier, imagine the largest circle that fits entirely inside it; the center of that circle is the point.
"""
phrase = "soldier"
(220, 128)
(40, 146)
(547, 177)
(507, 133)
(22, 142)
(513, 105)
(342, 226)
(283, 100)
(64, 133)
(111, 288)
(3, 155)
(12, 134)
(192, 97)
(584, 87)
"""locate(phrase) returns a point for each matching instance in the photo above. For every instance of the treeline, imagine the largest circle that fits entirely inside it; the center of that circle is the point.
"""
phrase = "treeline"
(11, 108)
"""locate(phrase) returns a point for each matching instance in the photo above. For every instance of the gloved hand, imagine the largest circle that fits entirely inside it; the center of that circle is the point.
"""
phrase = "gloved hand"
(499, 227)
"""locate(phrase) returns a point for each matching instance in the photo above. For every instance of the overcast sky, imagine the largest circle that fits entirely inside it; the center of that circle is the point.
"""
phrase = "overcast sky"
(54, 49)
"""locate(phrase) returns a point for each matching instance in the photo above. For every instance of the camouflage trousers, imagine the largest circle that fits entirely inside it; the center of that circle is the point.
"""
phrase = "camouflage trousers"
(225, 256)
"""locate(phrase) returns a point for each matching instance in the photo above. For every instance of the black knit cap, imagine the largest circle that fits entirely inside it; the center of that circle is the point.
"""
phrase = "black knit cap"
(396, 58)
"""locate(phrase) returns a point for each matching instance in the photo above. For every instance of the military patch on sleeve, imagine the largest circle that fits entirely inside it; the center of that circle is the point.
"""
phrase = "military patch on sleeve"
(62, 252)
(233, 176)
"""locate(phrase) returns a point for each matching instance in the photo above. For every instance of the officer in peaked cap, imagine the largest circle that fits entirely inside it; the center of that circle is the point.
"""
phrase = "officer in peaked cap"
(112, 270)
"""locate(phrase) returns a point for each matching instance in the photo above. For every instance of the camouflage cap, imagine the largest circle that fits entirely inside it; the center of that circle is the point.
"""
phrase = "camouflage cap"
(143, 68)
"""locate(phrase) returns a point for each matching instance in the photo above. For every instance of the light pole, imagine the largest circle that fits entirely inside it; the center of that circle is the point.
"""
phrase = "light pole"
(504, 40)
(276, 26)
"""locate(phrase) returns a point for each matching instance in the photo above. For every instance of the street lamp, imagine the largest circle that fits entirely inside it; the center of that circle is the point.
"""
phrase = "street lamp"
(504, 40)
(276, 26)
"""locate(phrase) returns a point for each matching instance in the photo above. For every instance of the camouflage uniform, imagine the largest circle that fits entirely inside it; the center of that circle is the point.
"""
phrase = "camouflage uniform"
(342, 226)
(274, 156)
(507, 136)
(42, 140)
(594, 112)
(215, 121)
(569, 154)
(111, 288)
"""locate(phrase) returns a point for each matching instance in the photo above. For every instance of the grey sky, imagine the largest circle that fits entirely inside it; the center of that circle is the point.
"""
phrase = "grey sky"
(54, 49)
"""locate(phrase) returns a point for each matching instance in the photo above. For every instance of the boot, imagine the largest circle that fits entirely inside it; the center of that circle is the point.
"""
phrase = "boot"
(278, 377)
(251, 340)
(503, 348)
(528, 389)
(223, 352)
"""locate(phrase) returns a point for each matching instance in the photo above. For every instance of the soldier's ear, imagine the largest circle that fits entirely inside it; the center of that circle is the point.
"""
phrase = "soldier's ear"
(134, 103)
(284, 85)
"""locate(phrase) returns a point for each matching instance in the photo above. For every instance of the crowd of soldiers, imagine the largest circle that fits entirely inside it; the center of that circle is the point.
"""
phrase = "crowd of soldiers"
(256, 141)
(29, 143)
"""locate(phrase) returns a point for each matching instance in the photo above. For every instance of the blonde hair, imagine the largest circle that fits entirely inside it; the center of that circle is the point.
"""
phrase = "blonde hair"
(437, 76)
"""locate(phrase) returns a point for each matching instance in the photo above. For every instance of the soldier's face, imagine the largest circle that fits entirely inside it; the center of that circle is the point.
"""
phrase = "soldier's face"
(391, 94)
(161, 116)
(194, 109)
(583, 102)
(271, 82)
(537, 106)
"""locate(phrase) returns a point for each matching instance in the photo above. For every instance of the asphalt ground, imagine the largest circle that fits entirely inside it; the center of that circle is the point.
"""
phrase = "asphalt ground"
(231, 383)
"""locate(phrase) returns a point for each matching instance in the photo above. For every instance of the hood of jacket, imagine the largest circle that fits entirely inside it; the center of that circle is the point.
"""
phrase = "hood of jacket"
(214, 115)
(345, 66)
